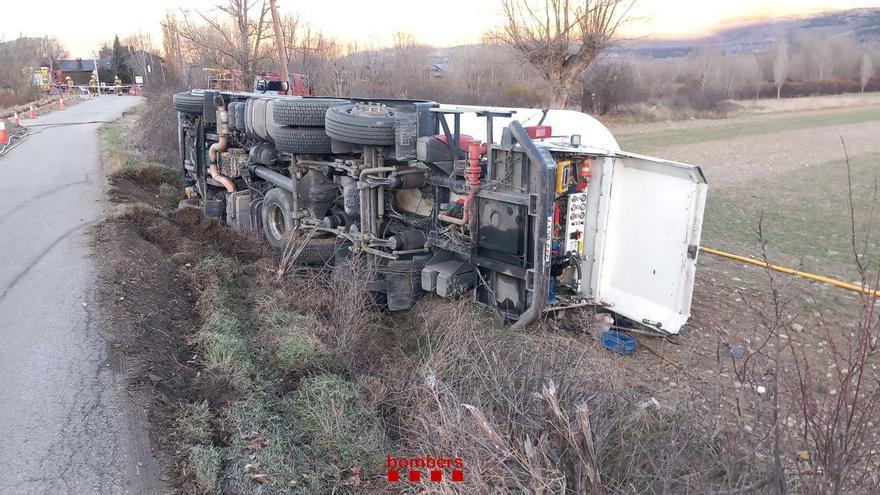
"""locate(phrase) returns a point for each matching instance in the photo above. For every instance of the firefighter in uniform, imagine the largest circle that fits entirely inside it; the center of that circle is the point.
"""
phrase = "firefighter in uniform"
(93, 85)
(69, 82)
(118, 83)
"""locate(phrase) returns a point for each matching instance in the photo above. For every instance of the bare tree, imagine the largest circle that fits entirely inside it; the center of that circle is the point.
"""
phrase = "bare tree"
(780, 66)
(172, 48)
(236, 37)
(867, 70)
(17, 59)
(561, 37)
(818, 56)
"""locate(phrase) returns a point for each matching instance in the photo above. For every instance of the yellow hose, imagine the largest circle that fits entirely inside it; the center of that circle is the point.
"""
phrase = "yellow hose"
(782, 269)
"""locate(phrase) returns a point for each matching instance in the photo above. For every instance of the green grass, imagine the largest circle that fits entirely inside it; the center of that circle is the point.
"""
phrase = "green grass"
(806, 216)
(194, 423)
(114, 137)
(304, 440)
(125, 162)
(302, 352)
(645, 142)
(338, 421)
(206, 461)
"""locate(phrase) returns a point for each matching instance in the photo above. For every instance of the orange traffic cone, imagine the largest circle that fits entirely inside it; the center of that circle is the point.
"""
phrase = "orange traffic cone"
(4, 138)
(15, 119)
(60, 103)
(32, 114)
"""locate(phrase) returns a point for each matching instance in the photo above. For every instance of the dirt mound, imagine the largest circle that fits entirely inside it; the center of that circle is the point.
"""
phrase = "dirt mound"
(150, 308)
(145, 253)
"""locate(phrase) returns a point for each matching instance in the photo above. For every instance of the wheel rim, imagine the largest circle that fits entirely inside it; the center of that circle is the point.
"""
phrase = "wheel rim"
(277, 225)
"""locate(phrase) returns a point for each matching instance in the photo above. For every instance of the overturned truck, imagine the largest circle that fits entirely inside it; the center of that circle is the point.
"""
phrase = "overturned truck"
(526, 211)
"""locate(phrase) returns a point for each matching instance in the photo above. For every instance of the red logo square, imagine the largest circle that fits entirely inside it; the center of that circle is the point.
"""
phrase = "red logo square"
(458, 476)
(415, 475)
(436, 475)
(393, 475)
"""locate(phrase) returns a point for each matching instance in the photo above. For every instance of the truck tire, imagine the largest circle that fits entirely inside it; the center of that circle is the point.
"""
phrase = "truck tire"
(278, 222)
(188, 102)
(301, 140)
(303, 112)
(231, 110)
(239, 116)
(277, 217)
(343, 125)
(258, 116)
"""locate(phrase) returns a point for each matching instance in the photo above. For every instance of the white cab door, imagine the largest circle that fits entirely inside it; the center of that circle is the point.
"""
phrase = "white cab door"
(650, 215)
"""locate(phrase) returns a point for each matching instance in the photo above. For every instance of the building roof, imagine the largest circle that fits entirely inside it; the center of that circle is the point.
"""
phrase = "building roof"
(78, 65)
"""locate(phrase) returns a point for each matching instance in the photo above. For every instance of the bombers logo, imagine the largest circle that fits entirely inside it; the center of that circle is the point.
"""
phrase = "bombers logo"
(436, 469)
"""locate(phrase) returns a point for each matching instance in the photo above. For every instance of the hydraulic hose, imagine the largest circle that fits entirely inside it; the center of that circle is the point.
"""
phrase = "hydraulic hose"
(790, 271)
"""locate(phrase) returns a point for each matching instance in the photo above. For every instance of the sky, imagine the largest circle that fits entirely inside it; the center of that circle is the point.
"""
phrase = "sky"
(83, 27)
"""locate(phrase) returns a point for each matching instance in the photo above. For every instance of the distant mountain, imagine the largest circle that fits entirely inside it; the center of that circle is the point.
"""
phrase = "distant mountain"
(751, 37)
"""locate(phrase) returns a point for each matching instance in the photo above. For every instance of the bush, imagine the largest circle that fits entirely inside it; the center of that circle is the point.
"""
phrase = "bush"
(692, 94)
(170, 195)
(157, 139)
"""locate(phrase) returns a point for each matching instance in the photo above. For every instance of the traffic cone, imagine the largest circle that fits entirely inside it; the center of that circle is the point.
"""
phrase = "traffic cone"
(60, 103)
(4, 138)
(15, 119)
(32, 114)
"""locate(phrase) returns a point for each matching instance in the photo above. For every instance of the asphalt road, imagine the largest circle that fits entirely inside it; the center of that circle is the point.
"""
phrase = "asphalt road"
(66, 423)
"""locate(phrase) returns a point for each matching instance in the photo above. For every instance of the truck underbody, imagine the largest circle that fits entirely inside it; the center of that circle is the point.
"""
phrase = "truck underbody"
(526, 222)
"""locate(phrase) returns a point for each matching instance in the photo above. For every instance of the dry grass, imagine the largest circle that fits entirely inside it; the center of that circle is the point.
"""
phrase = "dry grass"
(548, 413)
(771, 105)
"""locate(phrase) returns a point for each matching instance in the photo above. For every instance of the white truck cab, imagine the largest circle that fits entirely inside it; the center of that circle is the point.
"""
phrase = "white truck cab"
(641, 233)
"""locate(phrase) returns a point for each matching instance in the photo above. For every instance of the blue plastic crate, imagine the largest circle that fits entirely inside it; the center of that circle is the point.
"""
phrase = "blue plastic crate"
(618, 342)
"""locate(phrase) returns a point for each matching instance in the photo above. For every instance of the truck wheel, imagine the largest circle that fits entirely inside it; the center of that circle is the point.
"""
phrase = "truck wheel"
(189, 102)
(361, 123)
(277, 217)
(301, 140)
(303, 112)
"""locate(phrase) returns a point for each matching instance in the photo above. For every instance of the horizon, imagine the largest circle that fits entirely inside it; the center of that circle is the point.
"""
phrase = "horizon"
(666, 20)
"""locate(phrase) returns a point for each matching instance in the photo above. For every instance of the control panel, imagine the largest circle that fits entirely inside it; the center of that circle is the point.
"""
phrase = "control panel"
(574, 222)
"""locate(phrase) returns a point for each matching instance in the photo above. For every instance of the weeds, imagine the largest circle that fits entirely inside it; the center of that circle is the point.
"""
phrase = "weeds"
(194, 423)
(206, 463)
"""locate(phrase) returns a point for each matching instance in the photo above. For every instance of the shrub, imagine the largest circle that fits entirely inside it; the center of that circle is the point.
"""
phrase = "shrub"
(157, 139)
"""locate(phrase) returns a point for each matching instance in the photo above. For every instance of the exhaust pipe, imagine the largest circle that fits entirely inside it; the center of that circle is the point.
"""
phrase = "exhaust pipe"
(282, 181)
(221, 145)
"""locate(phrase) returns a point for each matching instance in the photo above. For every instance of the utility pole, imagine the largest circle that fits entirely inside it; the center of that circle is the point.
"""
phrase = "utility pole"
(279, 44)
(97, 74)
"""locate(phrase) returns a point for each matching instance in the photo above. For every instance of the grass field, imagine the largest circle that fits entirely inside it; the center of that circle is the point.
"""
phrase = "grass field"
(762, 125)
(806, 215)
